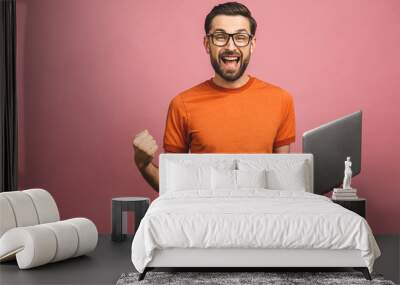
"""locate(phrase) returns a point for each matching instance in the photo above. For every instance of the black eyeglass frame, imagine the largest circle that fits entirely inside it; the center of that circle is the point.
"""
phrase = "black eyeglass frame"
(229, 37)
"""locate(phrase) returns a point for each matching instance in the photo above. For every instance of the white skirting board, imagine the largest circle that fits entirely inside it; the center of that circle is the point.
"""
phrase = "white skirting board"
(236, 257)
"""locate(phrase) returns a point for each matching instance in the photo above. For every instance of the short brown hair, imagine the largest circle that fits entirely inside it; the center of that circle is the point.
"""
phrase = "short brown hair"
(230, 9)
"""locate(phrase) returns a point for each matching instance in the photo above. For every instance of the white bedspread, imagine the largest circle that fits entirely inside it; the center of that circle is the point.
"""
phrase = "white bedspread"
(250, 218)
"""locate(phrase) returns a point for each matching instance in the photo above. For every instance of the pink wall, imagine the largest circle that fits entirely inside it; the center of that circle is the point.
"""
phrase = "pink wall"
(93, 73)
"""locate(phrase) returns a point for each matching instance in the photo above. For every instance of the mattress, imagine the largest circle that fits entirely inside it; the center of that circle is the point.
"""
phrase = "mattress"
(252, 218)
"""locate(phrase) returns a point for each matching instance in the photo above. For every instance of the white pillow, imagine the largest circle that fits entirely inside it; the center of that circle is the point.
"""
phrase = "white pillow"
(181, 177)
(236, 179)
(223, 179)
(288, 179)
(285, 174)
(251, 178)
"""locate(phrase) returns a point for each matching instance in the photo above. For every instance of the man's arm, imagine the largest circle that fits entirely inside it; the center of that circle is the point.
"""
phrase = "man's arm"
(286, 133)
(145, 147)
(175, 139)
(151, 175)
(282, 149)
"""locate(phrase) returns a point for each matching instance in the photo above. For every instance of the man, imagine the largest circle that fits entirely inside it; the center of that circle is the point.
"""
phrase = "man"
(232, 112)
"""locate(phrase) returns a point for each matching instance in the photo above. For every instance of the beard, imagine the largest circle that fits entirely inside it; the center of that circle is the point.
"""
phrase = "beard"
(229, 75)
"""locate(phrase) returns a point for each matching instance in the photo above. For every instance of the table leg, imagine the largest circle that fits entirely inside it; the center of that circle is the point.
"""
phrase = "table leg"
(124, 223)
(117, 222)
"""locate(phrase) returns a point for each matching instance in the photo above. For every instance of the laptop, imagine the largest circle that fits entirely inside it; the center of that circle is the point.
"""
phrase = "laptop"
(330, 145)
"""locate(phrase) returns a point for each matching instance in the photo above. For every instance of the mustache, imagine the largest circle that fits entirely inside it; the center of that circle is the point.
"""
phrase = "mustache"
(230, 54)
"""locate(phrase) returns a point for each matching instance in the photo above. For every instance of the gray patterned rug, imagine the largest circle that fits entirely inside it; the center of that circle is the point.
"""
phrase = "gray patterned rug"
(275, 278)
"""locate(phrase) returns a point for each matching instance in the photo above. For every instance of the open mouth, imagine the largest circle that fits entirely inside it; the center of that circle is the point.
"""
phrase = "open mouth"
(227, 59)
(231, 61)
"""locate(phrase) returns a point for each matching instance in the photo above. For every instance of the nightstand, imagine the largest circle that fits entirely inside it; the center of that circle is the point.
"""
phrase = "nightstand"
(120, 206)
(357, 206)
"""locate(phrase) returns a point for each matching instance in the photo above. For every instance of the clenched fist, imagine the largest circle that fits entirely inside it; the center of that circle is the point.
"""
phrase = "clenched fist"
(144, 147)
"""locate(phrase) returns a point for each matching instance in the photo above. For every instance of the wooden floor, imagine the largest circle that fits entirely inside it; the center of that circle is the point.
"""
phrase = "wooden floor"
(111, 259)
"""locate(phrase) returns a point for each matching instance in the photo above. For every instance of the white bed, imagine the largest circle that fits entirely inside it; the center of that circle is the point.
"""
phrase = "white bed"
(248, 226)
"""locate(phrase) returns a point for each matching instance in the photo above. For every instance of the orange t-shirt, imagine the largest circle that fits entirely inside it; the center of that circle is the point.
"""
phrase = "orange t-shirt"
(207, 118)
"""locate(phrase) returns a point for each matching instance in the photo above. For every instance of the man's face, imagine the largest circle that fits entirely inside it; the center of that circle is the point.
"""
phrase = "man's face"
(229, 70)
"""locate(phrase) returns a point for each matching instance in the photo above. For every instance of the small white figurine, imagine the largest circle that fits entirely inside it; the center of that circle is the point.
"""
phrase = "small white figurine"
(347, 174)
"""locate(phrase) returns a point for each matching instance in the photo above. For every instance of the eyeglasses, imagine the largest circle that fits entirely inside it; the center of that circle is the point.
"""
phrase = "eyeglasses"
(220, 39)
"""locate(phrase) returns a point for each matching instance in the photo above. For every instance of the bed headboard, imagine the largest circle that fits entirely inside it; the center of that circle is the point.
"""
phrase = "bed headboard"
(215, 158)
